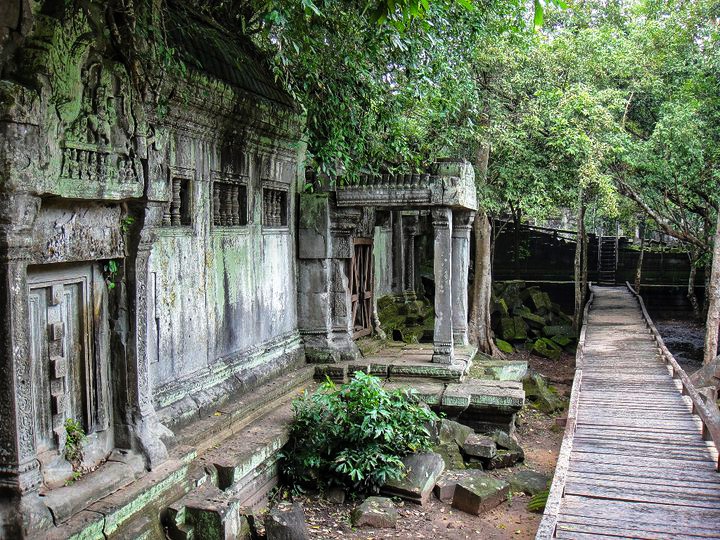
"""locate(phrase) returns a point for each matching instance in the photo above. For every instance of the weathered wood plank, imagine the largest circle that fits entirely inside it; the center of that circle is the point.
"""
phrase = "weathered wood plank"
(656, 514)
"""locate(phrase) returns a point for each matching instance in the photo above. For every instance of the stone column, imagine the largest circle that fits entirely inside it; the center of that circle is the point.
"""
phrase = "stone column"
(398, 261)
(410, 230)
(462, 222)
(443, 336)
(21, 509)
(146, 430)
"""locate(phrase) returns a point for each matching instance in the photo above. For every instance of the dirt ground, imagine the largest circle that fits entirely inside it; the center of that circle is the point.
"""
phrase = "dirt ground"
(537, 433)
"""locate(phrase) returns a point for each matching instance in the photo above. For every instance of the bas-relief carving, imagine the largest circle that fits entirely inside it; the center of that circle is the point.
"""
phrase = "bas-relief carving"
(76, 134)
(65, 233)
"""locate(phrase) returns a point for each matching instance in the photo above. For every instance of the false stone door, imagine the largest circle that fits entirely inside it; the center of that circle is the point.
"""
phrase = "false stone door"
(69, 380)
(361, 287)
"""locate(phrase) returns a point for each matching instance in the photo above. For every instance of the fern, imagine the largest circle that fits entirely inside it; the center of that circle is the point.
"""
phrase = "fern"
(538, 501)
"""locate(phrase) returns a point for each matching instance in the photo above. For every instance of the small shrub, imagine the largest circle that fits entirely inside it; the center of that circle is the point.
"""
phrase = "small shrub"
(75, 436)
(355, 435)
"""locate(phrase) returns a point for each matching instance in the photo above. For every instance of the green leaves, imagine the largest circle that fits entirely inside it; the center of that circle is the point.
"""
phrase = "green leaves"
(354, 435)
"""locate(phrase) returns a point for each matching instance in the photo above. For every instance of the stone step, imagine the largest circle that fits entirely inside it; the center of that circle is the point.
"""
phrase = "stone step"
(207, 512)
(238, 444)
(233, 416)
(233, 480)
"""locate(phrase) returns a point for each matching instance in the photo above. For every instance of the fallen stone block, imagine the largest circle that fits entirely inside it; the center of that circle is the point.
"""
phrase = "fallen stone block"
(286, 522)
(421, 474)
(445, 486)
(335, 495)
(479, 446)
(537, 390)
(450, 454)
(378, 512)
(480, 493)
(504, 346)
(503, 459)
(456, 432)
(500, 370)
(547, 348)
(529, 482)
(559, 330)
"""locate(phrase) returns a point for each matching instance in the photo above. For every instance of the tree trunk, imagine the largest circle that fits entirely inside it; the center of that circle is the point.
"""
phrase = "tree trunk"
(585, 258)
(480, 331)
(692, 297)
(638, 268)
(713, 295)
(516, 248)
(480, 325)
(579, 291)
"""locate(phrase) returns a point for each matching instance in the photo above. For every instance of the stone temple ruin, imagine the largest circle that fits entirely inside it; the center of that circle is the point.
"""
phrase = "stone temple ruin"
(166, 286)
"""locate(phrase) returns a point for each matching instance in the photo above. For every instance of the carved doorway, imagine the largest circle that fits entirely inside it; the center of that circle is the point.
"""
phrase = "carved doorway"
(68, 355)
(361, 287)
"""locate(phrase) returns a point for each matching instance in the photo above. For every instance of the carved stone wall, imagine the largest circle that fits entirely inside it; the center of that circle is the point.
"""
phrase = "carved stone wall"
(192, 294)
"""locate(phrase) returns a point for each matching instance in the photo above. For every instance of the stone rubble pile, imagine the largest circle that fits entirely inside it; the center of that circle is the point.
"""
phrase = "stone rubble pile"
(526, 317)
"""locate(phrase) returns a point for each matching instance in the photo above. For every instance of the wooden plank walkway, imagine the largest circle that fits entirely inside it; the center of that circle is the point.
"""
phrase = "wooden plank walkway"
(633, 463)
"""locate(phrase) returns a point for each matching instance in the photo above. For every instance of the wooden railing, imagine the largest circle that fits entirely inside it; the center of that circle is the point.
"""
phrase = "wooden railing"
(707, 411)
(552, 506)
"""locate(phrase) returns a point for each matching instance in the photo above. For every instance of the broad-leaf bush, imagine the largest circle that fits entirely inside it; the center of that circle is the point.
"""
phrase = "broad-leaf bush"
(354, 435)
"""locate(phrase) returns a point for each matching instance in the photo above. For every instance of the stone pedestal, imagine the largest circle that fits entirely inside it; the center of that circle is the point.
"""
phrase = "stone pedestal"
(462, 222)
(443, 351)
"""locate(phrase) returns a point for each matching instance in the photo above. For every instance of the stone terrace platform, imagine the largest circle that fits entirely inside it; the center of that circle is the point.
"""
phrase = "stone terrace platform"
(401, 360)
(485, 404)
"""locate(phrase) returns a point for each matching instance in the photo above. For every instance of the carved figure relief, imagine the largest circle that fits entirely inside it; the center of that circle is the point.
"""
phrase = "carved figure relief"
(89, 153)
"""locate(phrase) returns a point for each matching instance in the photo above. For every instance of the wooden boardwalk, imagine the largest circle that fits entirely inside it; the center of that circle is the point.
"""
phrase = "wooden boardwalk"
(633, 463)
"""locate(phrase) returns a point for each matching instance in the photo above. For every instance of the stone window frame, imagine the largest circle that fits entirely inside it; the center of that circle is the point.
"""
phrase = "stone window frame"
(237, 179)
(184, 175)
(267, 184)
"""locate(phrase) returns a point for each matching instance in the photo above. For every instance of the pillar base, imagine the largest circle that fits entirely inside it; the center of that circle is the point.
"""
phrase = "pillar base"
(23, 516)
(410, 296)
(443, 353)
(337, 346)
(460, 338)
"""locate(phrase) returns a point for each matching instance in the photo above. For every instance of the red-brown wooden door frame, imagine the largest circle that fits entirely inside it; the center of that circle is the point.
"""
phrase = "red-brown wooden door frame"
(361, 287)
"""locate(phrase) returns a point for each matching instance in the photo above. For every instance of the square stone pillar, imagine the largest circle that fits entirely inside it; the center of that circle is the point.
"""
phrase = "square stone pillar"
(462, 222)
(140, 414)
(21, 509)
(325, 249)
(443, 352)
(398, 254)
(410, 231)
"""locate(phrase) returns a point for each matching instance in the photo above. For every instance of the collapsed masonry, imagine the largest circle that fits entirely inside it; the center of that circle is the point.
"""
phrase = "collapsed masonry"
(162, 280)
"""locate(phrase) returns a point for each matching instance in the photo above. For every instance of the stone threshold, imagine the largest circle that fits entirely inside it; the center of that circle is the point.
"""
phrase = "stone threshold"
(234, 450)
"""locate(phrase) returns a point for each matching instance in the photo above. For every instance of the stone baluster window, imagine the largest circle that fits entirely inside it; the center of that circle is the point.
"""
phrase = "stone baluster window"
(275, 208)
(178, 211)
(230, 204)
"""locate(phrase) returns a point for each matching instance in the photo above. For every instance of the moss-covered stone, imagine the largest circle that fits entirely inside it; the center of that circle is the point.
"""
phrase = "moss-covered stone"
(504, 346)
(559, 330)
(513, 328)
(547, 348)
(409, 322)
(536, 321)
(541, 395)
(563, 341)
